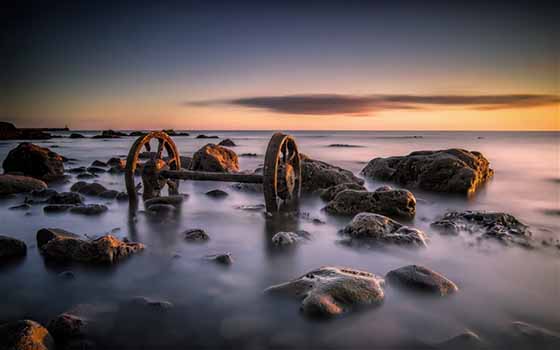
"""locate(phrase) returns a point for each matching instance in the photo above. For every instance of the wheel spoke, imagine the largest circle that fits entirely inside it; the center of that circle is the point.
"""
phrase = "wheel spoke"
(161, 147)
(147, 146)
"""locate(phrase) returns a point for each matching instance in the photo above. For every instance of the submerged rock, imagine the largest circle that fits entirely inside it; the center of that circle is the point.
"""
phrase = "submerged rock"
(330, 291)
(62, 245)
(12, 184)
(25, 335)
(76, 136)
(110, 134)
(202, 136)
(89, 209)
(35, 161)
(98, 163)
(501, 226)
(227, 143)
(289, 238)
(317, 175)
(540, 337)
(88, 188)
(223, 259)
(394, 203)
(375, 228)
(65, 198)
(215, 158)
(174, 200)
(217, 194)
(453, 170)
(465, 341)
(11, 248)
(328, 194)
(421, 278)
(96, 170)
(196, 235)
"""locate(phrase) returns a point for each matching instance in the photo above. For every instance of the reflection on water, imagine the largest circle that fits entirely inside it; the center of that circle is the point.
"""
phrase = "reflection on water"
(217, 306)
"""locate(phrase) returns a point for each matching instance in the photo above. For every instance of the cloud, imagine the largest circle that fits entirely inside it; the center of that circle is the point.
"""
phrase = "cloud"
(332, 104)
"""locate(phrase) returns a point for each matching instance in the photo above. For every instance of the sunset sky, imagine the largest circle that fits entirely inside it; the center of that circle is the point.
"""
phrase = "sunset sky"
(286, 65)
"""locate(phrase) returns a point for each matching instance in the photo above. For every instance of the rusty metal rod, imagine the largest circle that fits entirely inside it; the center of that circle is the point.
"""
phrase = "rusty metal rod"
(209, 176)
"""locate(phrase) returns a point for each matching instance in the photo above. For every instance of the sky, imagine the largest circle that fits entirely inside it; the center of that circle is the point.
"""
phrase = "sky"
(289, 65)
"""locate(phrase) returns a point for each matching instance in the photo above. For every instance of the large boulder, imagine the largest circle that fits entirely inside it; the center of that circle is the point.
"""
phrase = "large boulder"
(500, 226)
(11, 248)
(61, 245)
(317, 175)
(422, 279)
(8, 131)
(375, 228)
(35, 161)
(385, 201)
(330, 291)
(10, 184)
(453, 170)
(25, 335)
(215, 158)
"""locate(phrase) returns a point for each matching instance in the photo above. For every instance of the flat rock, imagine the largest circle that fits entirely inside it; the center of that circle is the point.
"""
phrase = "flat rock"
(25, 335)
(422, 279)
(328, 194)
(88, 188)
(12, 184)
(317, 175)
(217, 193)
(202, 136)
(196, 235)
(215, 158)
(35, 161)
(11, 248)
(452, 170)
(65, 198)
(394, 203)
(500, 226)
(61, 245)
(375, 228)
(89, 209)
(330, 291)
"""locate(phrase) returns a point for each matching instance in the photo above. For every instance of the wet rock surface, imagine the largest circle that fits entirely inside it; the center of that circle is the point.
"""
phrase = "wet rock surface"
(175, 200)
(35, 161)
(88, 188)
(330, 291)
(390, 202)
(110, 134)
(196, 235)
(89, 209)
(65, 198)
(222, 258)
(328, 194)
(227, 143)
(421, 279)
(453, 170)
(317, 175)
(215, 158)
(202, 136)
(217, 194)
(11, 248)
(283, 238)
(368, 228)
(536, 336)
(495, 225)
(60, 245)
(12, 184)
(25, 335)
(465, 341)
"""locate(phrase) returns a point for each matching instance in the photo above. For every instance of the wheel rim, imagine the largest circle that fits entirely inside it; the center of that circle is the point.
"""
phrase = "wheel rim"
(172, 161)
(282, 173)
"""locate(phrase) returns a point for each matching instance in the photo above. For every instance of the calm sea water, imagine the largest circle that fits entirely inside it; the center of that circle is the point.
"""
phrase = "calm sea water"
(224, 307)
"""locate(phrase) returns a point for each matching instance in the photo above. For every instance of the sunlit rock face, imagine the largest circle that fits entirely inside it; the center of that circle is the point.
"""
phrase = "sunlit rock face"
(385, 201)
(374, 229)
(215, 158)
(318, 175)
(25, 335)
(331, 291)
(35, 161)
(453, 170)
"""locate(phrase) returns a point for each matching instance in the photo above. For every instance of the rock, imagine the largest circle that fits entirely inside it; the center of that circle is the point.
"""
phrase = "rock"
(247, 187)
(115, 161)
(161, 208)
(202, 136)
(61, 245)
(251, 207)
(96, 170)
(65, 198)
(66, 326)
(98, 163)
(223, 259)
(35, 161)
(394, 203)
(76, 136)
(86, 176)
(289, 238)
(227, 143)
(11, 248)
(196, 235)
(67, 275)
(109, 194)
(453, 170)
(23, 206)
(539, 337)
(330, 291)
(12, 184)
(150, 304)
(138, 133)
(375, 228)
(248, 155)
(43, 193)
(174, 200)
(186, 162)
(122, 196)
(328, 194)
(78, 170)
(501, 226)
(91, 189)
(421, 278)
(57, 208)
(217, 193)
(343, 145)
(25, 335)
(89, 209)
(215, 158)
(110, 134)
(465, 341)
(8, 131)
(317, 175)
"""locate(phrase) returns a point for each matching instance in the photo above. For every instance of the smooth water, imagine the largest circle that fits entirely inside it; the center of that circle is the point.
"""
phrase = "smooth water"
(216, 306)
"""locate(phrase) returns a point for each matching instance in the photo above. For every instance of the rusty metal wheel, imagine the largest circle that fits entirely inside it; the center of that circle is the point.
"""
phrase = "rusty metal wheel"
(148, 170)
(282, 173)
